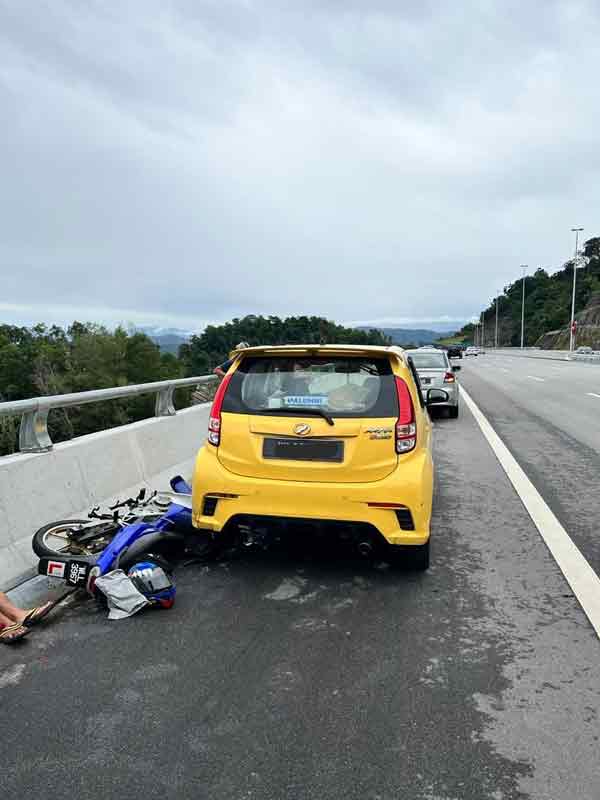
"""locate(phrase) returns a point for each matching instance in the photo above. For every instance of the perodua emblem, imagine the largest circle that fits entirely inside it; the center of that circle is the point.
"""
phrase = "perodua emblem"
(302, 429)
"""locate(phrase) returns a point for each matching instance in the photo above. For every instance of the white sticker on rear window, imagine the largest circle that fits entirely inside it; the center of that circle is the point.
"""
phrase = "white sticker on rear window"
(305, 400)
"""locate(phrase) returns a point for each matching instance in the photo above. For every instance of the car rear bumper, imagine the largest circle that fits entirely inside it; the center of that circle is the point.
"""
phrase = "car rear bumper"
(409, 485)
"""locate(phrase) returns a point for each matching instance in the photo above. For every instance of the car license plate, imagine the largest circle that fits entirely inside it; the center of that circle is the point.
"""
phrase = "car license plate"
(425, 380)
(304, 449)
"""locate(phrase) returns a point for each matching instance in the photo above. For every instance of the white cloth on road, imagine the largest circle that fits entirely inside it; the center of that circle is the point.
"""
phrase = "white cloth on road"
(124, 600)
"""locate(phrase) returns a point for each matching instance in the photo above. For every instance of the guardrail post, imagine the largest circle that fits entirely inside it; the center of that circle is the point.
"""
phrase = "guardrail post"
(33, 433)
(164, 406)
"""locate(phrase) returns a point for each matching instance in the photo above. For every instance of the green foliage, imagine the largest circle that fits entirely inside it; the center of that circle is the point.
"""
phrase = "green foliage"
(205, 352)
(547, 302)
(46, 361)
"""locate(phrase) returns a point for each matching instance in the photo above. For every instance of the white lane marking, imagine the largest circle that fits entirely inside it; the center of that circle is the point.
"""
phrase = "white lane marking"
(592, 394)
(535, 378)
(579, 575)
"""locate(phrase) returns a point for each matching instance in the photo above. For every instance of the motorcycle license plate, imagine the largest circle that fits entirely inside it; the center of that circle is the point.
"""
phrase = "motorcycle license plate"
(74, 572)
(77, 572)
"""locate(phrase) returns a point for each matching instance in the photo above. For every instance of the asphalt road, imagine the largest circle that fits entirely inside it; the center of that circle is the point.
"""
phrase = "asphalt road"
(548, 414)
(287, 677)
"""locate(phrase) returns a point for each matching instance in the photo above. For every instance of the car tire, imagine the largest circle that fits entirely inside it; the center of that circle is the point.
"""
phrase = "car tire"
(204, 545)
(453, 412)
(410, 557)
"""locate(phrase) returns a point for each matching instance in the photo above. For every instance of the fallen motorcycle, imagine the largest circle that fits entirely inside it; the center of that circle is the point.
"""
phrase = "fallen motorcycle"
(78, 551)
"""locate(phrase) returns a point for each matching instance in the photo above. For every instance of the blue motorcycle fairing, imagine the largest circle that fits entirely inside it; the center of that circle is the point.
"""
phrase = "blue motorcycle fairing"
(179, 484)
(176, 517)
(124, 538)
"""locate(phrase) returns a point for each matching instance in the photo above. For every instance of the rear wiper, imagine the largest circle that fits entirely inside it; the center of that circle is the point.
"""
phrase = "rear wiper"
(303, 412)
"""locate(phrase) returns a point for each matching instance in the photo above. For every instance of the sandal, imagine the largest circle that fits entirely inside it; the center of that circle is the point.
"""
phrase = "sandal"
(38, 613)
(12, 633)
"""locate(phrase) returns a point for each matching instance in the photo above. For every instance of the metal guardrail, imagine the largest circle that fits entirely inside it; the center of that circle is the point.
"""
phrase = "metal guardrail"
(33, 432)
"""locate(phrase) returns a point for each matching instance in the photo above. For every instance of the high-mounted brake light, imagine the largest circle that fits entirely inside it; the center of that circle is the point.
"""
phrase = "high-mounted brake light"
(406, 428)
(214, 420)
(449, 378)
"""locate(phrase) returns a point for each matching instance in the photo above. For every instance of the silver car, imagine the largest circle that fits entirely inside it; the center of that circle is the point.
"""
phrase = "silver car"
(435, 371)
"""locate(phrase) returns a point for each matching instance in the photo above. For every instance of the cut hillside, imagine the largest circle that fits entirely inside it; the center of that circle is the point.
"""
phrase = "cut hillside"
(547, 307)
(588, 329)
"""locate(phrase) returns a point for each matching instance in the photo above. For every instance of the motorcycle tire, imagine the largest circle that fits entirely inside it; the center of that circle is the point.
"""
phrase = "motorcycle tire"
(46, 540)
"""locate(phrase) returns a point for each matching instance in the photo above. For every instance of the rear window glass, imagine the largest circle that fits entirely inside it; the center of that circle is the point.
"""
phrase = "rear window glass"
(339, 386)
(429, 360)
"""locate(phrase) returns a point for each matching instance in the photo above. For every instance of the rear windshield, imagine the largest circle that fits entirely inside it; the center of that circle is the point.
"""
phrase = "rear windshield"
(429, 360)
(339, 386)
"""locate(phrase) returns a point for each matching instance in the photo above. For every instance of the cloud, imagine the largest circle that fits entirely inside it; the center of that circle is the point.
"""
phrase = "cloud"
(190, 161)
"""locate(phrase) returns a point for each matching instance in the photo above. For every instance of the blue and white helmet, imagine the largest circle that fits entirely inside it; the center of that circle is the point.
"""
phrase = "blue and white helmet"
(153, 579)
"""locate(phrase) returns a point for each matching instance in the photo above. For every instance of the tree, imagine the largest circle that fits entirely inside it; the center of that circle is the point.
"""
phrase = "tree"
(212, 347)
(548, 300)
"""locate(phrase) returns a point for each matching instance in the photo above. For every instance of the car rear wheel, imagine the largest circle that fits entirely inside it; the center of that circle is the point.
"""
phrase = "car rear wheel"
(453, 412)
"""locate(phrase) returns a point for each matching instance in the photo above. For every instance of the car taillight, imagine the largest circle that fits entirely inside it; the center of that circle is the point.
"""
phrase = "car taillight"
(449, 378)
(214, 420)
(406, 428)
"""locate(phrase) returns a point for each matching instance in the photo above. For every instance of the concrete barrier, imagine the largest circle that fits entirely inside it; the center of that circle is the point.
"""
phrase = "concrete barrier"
(37, 488)
(588, 358)
(554, 355)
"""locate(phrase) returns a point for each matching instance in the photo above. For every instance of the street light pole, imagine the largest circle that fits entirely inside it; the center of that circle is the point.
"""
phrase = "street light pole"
(524, 268)
(496, 332)
(576, 231)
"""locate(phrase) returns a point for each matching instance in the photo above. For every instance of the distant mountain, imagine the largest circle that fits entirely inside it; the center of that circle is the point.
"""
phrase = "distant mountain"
(169, 342)
(418, 336)
(168, 339)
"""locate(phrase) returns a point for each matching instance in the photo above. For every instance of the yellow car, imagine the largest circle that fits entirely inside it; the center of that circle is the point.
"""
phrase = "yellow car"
(333, 437)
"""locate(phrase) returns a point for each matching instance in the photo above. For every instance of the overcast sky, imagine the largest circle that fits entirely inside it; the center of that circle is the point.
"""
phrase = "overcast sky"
(177, 162)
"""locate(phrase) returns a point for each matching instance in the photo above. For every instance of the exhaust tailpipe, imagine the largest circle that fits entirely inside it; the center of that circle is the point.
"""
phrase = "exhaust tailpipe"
(365, 549)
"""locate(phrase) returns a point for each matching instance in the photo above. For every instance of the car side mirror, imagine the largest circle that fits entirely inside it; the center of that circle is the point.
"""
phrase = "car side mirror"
(435, 396)
(456, 368)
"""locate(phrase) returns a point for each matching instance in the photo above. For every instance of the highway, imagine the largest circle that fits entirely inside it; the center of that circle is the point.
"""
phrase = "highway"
(314, 677)
(548, 414)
